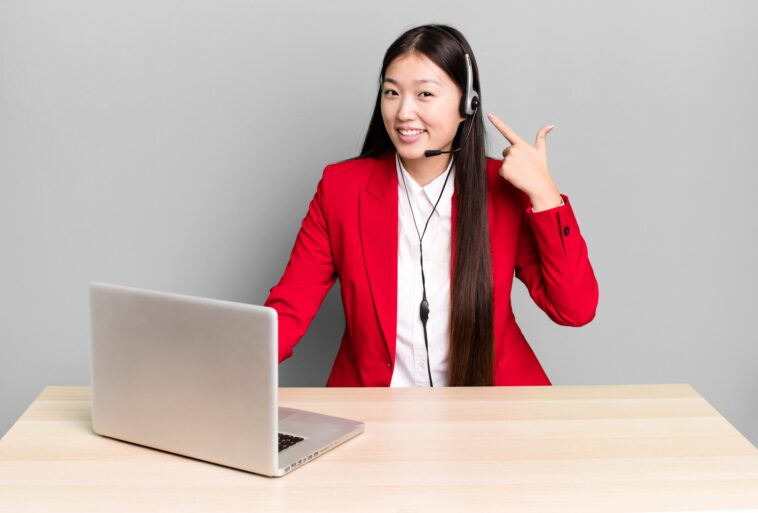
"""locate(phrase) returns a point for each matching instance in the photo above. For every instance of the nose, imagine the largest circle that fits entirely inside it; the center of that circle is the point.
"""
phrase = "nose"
(407, 109)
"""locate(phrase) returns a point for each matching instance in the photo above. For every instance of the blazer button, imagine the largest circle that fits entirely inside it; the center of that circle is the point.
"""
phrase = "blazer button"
(566, 230)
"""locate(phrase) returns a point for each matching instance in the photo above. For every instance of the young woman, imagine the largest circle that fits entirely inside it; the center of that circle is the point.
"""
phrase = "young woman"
(426, 243)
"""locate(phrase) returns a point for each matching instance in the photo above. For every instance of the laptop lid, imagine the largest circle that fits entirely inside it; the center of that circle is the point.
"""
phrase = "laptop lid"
(184, 374)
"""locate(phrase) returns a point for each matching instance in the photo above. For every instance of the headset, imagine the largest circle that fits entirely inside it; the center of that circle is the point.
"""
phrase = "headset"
(469, 100)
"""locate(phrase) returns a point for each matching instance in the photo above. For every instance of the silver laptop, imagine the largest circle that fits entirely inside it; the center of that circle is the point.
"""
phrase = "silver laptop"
(199, 377)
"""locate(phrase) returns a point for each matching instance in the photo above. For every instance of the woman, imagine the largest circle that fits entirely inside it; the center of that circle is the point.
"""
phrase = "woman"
(426, 243)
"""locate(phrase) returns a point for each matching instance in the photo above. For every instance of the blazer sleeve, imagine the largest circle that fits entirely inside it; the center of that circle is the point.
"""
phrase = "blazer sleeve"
(308, 276)
(552, 261)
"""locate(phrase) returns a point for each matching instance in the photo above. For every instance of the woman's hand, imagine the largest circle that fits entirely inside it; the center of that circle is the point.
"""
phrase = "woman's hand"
(525, 166)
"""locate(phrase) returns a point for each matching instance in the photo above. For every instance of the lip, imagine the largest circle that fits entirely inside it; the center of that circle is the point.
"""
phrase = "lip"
(409, 139)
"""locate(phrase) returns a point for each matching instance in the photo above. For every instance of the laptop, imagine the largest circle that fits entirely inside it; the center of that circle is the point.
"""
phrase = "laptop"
(199, 377)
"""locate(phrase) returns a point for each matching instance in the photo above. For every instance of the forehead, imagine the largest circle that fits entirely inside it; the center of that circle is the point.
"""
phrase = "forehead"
(416, 68)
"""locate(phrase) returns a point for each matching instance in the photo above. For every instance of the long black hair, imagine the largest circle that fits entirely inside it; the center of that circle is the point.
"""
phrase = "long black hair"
(471, 313)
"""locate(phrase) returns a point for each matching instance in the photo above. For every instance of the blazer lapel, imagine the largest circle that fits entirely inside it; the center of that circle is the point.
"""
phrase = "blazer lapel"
(378, 220)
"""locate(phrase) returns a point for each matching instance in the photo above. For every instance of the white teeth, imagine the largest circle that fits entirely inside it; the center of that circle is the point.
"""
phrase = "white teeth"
(411, 132)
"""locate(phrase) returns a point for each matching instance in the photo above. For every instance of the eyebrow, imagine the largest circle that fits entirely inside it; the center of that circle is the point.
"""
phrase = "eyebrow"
(420, 81)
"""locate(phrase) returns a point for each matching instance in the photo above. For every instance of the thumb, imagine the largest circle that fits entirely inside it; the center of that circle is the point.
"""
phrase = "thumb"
(542, 138)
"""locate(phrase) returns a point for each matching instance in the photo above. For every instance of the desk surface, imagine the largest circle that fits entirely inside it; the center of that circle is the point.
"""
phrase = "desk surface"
(561, 448)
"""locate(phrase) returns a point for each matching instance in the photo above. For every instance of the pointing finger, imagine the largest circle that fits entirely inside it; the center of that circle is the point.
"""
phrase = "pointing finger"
(504, 129)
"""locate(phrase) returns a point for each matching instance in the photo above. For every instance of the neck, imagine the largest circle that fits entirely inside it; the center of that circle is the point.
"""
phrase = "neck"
(425, 169)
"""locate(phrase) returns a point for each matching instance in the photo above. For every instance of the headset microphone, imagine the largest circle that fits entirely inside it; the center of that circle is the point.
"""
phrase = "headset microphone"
(469, 105)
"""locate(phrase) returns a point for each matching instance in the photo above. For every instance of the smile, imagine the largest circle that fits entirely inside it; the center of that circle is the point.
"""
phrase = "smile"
(410, 136)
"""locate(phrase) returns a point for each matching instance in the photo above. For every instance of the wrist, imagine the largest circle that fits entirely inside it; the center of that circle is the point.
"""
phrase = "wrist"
(546, 200)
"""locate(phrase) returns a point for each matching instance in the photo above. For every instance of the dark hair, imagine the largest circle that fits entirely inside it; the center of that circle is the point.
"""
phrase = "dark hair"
(471, 313)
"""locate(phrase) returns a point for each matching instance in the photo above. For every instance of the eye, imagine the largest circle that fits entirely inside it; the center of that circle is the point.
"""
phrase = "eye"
(426, 93)
(386, 91)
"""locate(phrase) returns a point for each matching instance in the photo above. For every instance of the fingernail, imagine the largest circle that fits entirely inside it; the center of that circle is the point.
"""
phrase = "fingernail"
(550, 128)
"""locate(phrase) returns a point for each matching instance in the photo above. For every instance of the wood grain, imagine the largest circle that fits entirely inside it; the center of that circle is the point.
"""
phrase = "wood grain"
(532, 449)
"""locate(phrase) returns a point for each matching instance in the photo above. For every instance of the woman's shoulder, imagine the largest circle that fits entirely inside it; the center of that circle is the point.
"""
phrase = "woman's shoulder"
(353, 164)
(493, 165)
(493, 168)
(356, 172)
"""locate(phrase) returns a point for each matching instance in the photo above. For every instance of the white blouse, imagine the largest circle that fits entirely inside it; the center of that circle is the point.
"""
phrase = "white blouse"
(410, 354)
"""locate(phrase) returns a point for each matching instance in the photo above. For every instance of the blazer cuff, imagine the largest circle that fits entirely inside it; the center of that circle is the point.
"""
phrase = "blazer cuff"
(554, 227)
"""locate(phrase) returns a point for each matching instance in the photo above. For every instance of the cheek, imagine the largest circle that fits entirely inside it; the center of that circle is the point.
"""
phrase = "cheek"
(453, 113)
(445, 118)
(445, 127)
(387, 118)
(455, 119)
(386, 111)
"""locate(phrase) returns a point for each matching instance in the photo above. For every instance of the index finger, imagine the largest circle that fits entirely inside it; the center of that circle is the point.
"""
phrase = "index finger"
(507, 132)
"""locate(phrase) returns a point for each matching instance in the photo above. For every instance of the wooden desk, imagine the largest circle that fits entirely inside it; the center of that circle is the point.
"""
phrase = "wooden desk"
(562, 448)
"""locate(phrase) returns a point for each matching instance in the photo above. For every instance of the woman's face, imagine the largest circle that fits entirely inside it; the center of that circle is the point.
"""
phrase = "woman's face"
(420, 99)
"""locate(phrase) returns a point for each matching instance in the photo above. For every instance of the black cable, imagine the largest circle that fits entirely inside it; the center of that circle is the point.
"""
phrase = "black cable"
(424, 307)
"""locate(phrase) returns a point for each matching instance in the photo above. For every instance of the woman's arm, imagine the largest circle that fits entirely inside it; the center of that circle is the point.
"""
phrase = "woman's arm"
(309, 274)
(552, 261)
(551, 256)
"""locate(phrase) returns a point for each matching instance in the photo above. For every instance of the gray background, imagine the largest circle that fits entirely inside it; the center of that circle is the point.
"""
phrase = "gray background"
(176, 145)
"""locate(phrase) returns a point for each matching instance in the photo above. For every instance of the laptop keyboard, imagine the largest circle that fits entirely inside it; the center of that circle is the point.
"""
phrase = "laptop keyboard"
(287, 441)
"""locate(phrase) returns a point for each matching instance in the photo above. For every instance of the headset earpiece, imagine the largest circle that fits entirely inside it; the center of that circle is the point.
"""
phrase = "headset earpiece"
(470, 101)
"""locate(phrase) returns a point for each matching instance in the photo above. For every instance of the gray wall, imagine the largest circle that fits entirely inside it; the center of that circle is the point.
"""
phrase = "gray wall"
(176, 145)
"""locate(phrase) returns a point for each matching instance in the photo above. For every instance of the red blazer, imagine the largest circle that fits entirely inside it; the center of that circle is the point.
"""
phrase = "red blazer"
(351, 232)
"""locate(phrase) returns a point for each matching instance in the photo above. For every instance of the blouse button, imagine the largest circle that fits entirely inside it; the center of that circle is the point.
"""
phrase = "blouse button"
(566, 230)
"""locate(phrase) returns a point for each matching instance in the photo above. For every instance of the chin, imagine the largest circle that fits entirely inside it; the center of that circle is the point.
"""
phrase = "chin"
(411, 153)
